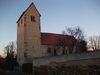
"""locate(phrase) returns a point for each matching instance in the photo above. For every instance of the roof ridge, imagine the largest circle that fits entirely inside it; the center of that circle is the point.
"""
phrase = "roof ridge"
(34, 6)
(27, 9)
(56, 34)
(52, 33)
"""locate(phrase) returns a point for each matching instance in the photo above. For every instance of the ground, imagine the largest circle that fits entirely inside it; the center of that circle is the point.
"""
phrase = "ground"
(14, 73)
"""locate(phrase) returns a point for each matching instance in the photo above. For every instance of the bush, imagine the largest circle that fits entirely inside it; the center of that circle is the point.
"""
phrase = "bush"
(8, 66)
(68, 70)
(27, 67)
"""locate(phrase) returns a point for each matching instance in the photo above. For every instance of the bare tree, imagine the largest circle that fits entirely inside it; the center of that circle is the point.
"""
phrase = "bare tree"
(10, 51)
(94, 42)
(67, 43)
(78, 33)
(71, 40)
(52, 50)
(1, 56)
(64, 44)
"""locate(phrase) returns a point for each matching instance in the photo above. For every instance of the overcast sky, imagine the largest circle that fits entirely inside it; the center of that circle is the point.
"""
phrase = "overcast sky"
(55, 16)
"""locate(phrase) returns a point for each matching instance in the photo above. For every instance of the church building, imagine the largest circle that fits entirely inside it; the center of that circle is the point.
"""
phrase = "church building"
(31, 42)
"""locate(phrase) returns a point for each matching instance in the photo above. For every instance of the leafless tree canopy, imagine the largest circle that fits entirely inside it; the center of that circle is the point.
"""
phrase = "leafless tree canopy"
(65, 44)
(10, 50)
(77, 32)
(0, 56)
(94, 42)
(72, 40)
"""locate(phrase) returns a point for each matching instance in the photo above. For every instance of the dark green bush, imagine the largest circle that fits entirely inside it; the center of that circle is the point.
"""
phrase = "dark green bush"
(27, 67)
(8, 66)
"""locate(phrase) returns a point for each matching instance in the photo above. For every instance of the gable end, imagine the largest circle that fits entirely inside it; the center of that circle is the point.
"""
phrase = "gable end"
(27, 9)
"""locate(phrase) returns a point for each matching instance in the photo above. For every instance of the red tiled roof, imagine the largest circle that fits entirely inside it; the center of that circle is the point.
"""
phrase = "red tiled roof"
(57, 39)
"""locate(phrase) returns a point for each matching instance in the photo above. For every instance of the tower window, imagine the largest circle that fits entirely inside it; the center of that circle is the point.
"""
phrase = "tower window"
(25, 14)
(21, 21)
(24, 18)
(32, 18)
(25, 55)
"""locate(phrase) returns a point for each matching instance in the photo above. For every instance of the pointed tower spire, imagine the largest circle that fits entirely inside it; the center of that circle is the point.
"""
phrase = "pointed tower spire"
(32, 4)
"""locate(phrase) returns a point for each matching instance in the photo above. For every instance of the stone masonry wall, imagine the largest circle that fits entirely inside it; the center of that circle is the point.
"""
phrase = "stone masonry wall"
(85, 57)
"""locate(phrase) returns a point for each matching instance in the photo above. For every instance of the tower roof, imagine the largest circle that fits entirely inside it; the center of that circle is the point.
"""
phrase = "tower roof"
(27, 9)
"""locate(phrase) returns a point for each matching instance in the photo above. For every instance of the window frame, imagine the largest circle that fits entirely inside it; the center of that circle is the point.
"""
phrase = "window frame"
(33, 18)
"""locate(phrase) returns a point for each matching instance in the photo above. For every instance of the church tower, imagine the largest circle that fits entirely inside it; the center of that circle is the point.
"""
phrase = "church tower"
(28, 35)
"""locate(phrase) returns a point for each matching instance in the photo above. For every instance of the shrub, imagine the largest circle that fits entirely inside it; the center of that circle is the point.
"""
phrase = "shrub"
(8, 66)
(27, 67)
(67, 70)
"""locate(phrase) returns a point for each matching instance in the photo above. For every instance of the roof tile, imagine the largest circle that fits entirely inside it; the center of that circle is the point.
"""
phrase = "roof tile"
(57, 39)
